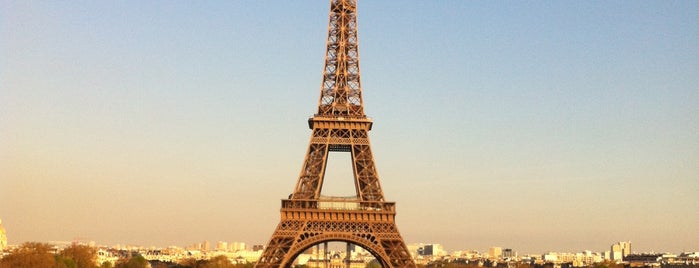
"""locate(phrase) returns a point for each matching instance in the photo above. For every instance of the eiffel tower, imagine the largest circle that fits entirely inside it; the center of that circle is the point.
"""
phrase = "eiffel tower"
(340, 125)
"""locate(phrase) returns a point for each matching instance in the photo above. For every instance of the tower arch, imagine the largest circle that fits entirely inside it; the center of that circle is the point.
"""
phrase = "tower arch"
(369, 246)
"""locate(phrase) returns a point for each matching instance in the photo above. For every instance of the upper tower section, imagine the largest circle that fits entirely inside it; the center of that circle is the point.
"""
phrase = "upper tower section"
(341, 91)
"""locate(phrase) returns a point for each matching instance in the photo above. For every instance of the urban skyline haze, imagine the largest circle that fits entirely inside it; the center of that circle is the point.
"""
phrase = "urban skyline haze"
(551, 125)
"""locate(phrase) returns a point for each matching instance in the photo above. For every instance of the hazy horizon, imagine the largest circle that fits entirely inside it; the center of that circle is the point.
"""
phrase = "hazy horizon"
(545, 126)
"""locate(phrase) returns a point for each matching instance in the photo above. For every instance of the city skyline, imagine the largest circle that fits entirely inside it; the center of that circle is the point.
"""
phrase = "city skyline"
(619, 252)
(423, 254)
(613, 252)
(542, 126)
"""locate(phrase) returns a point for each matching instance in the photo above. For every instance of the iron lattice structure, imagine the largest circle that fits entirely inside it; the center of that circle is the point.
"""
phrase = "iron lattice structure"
(340, 125)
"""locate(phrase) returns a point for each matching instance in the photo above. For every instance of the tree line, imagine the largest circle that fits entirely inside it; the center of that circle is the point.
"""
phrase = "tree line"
(43, 255)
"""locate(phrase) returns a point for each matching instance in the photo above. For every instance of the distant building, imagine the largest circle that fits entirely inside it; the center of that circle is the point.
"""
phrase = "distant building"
(237, 246)
(413, 249)
(427, 250)
(495, 252)
(652, 259)
(620, 250)
(3, 237)
(431, 250)
(195, 246)
(508, 253)
(607, 255)
(550, 257)
(222, 246)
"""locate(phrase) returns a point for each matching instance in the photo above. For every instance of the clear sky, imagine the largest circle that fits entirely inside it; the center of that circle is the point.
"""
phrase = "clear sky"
(533, 125)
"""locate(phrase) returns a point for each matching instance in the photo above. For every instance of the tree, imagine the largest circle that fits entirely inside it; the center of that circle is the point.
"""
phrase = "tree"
(64, 262)
(160, 264)
(83, 256)
(608, 264)
(30, 255)
(218, 262)
(189, 263)
(137, 261)
(373, 264)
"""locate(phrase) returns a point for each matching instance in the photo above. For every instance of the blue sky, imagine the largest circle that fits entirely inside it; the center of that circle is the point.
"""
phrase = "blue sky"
(551, 125)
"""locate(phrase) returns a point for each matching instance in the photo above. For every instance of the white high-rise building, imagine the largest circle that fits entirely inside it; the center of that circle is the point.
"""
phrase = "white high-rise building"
(222, 246)
(495, 252)
(3, 237)
(620, 250)
(607, 255)
(237, 246)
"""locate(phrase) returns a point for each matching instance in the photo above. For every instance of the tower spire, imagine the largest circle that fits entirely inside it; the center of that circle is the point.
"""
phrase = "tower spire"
(341, 91)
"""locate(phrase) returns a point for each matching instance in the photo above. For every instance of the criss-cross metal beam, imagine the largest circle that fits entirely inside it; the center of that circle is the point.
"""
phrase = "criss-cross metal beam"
(339, 125)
